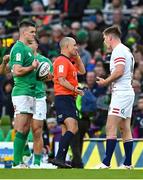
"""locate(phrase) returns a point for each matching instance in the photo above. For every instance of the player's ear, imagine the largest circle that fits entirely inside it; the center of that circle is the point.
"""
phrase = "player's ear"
(24, 33)
(110, 37)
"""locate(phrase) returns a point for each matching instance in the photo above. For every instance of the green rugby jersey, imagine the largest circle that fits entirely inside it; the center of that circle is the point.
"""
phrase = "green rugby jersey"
(40, 85)
(23, 55)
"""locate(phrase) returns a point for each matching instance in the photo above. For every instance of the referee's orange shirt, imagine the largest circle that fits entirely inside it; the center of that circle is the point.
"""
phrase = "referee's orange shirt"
(63, 67)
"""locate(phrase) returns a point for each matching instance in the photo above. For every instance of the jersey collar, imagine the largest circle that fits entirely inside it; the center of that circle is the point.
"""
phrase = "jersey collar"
(65, 57)
(68, 58)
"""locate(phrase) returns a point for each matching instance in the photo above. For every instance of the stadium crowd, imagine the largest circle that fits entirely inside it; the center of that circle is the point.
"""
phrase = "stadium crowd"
(87, 30)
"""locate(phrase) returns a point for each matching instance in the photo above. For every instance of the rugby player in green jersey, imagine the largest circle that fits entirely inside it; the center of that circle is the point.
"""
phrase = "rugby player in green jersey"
(41, 109)
(23, 66)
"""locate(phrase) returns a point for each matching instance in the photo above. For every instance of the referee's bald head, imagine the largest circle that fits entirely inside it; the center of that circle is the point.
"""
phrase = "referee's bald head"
(66, 41)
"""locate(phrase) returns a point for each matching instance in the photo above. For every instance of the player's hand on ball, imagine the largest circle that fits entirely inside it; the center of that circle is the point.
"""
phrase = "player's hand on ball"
(49, 77)
(35, 64)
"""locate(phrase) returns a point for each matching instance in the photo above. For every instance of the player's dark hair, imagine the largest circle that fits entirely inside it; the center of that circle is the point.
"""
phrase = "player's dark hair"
(114, 30)
(26, 23)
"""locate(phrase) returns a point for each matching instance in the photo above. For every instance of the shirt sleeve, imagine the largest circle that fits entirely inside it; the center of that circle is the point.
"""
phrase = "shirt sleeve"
(119, 58)
(17, 56)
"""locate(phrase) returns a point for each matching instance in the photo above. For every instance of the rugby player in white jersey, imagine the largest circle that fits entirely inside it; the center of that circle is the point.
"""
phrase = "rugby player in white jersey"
(120, 109)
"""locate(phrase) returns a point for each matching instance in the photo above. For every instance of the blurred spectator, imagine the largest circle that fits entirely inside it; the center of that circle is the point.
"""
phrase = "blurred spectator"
(98, 55)
(138, 54)
(1, 99)
(96, 58)
(111, 8)
(37, 7)
(132, 36)
(15, 7)
(118, 19)
(92, 85)
(51, 134)
(57, 35)
(92, 25)
(91, 65)
(86, 106)
(99, 69)
(15, 37)
(10, 5)
(133, 3)
(73, 10)
(82, 38)
(67, 28)
(75, 27)
(3, 50)
(140, 67)
(44, 41)
(7, 89)
(137, 75)
(102, 104)
(95, 37)
(102, 101)
(134, 20)
(138, 119)
(137, 88)
(50, 4)
(100, 21)
(2, 28)
(137, 20)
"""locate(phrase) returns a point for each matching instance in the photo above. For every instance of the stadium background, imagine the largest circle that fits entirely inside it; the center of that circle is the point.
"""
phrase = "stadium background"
(93, 18)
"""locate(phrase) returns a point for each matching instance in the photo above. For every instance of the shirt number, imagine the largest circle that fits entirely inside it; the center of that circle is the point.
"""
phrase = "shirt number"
(18, 57)
(61, 69)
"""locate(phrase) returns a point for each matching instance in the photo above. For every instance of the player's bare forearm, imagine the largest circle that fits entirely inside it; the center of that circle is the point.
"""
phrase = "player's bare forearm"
(119, 71)
(66, 84)
(69, 86)
(21, 71)
(105, 82)
(113, 77)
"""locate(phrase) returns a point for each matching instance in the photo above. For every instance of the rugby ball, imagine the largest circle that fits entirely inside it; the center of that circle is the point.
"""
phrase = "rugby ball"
(43, 70)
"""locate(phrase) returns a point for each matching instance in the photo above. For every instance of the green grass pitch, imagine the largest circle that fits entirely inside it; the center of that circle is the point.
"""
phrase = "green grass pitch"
(70, 174)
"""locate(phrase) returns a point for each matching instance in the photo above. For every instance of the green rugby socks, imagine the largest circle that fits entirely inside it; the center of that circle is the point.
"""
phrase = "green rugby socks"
(19, 144)
(26, 151)
(37, 159)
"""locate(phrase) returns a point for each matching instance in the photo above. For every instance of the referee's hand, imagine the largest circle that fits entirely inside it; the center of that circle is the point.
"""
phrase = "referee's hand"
(79, 91)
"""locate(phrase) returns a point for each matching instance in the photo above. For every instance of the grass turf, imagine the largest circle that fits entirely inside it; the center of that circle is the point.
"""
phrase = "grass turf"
(69, 174)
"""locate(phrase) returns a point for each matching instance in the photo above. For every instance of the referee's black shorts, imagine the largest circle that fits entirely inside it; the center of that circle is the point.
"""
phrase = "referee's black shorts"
(65, 107)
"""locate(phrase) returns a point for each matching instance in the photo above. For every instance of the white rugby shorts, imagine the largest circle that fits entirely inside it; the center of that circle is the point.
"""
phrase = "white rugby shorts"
(41, 109)
(23, 104)
(121, 104)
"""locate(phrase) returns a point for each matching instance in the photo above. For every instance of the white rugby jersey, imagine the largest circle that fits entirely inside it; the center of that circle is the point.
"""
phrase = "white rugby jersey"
(122, 55)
